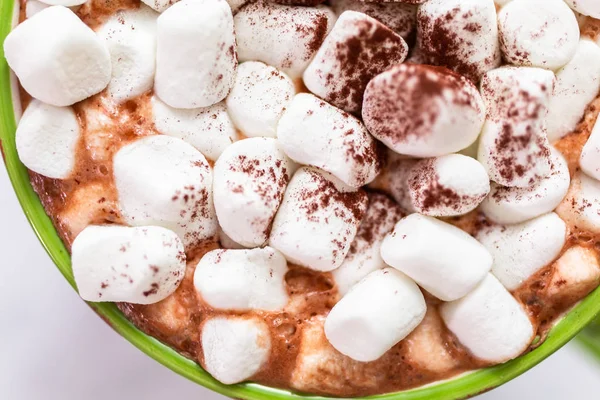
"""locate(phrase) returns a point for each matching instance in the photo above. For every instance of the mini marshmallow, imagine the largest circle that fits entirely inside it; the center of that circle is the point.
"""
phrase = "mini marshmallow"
(358, 48)
(317, 220)
(513, 146)
(447, 186)
(512, 205)
(66, 3)
(159, 5)
(285, 37)
(423, 111)
(47, 138)
(585, 7)
(235, 348)
(399, 17)
(250, 179)
(141, 265)
(315, 133)
(164, 181)
(521, 250)
(577, 84)
(196, 57)
(581, 207)
(377, 313)
(489, 322)
(446, 272)
(589, 161)
(130, 36)
(539, 33)
(575, 274)
(208, 129)
(33, 7)
(45, 63)
(242, 280)
(364, 256)
(258, 98)
(461, 35)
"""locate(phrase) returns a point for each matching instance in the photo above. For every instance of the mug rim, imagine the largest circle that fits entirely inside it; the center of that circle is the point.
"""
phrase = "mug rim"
(461, 386)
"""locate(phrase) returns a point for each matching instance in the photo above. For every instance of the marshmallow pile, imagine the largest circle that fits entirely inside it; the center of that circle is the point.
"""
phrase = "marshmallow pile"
(266, 123)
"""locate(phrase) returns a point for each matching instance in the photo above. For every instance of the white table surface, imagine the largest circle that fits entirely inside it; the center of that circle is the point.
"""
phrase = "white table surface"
(53, 347)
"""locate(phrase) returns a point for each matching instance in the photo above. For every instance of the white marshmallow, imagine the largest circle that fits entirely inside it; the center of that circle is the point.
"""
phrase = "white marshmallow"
(489, 322)
(250, 179)
(585, 7)
(539, 33)
(33, 7)
(513, 146)
(317, 220)
(46, 64)
(196, 53)
(377, 313)
(423, 111)
(285, 37)
(581, 207)
(364, 256)
(46, 139)
(590, 155)
(141, 265)
(447, 186)
(66, 3)
(452, 270)
(242, 280)
(130, 36)
(358, 48)
(159, 5)
(511, 205)
(235, 348)
(315, 133)
(575, 274)
(521, 250)
(209, 129)
(471, 46)
(577, 84)
(164, 181)
(399, 17)
(258, 98)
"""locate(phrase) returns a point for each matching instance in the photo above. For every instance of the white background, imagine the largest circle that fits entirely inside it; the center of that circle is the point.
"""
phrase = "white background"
(53, 347)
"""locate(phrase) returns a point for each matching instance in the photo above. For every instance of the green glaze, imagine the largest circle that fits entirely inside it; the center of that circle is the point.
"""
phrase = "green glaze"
(461, 387)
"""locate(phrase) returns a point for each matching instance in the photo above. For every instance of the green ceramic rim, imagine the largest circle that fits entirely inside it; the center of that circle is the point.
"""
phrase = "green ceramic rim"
(464, 386)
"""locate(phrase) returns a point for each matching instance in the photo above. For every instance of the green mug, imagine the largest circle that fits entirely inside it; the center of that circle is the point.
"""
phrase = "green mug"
(462, 386)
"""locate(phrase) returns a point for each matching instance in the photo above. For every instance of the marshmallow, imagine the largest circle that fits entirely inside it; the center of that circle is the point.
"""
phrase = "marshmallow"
(376, 314)
(47, 138)
(585, 7)
(399, 17)
(226, 242)
(581, 207)
(446, 272)
(489, 322)
(66, 3)
(461, 35)
(130, 36)
(209, 129)
(577, 84)
(285, 37)
(159, 5)
(447, 186)
(141, 265)
(164, 181)
(589, 161)
(358, 48)
(242, 280)
(317, 220)
(45, 63)
(521, 250)
(364, 256)
(513, 146)
(196, 56)
(575, 274)
(315, 133)
(235, 348)
(512, 205)
(539, 33)
(250, 179)
(423, 111)
(33, 7)
(258, 98)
